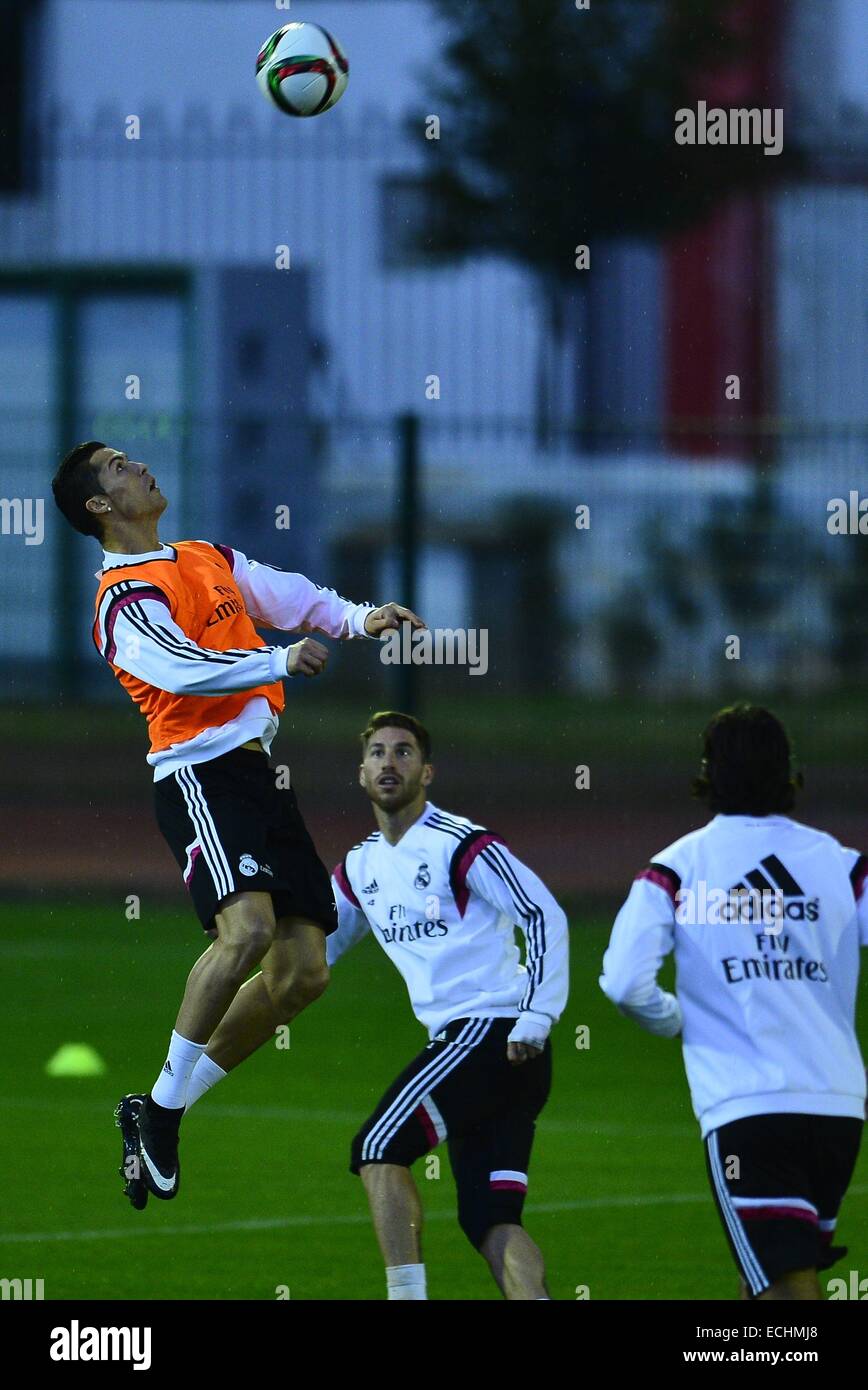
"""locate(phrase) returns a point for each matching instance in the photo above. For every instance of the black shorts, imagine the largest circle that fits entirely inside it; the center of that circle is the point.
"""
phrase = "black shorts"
(778, 1181)
(232, 829)
(461, 1088)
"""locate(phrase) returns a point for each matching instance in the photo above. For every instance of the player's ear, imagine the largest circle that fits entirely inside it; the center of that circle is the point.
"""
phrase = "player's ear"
(427, 775)
(98, 505)
(362, 782)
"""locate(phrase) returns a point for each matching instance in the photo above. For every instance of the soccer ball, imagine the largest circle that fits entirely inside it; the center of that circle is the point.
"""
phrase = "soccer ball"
(302, 70)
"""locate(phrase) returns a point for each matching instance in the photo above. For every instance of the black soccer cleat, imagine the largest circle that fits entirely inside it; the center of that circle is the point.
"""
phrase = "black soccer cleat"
(158, 1149)
(127, 1120)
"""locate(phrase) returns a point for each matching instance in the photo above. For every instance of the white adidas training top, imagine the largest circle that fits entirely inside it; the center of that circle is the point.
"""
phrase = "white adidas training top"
(444, 903)
(765, 917)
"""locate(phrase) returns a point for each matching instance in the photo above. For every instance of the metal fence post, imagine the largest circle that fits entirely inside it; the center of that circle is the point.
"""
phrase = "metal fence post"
(66, 558)
(408, 529)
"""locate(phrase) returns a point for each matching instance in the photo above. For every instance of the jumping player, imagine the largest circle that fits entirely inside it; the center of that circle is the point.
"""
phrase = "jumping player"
(176, 625)
(443, 898)
(765, 917)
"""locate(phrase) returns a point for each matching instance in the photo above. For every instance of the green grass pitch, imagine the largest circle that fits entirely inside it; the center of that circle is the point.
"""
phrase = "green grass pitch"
(618, 1195)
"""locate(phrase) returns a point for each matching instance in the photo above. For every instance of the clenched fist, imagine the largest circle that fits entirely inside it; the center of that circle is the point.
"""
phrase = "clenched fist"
(390, 616)
(306, 658)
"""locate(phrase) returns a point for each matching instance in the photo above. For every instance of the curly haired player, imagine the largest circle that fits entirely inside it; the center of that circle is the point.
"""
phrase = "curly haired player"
(766, 917)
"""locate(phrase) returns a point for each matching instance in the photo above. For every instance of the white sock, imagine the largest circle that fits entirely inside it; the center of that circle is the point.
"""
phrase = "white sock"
(205, 1075)
(406, 1282)
(170, 1087)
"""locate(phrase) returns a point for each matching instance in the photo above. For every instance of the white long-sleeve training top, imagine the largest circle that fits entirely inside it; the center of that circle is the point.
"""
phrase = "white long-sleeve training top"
(444, 904)
(765, 917)
(146, 641)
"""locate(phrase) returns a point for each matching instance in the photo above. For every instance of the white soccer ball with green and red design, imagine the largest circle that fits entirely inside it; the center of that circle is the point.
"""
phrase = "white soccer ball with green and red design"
(302, 70)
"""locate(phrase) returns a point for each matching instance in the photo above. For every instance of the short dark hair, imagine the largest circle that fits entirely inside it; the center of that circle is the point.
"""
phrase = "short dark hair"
(74, 482)
(392, 719)
(747, 764)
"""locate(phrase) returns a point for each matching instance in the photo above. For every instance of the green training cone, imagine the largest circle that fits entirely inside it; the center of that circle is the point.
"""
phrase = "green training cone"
(75, 1059)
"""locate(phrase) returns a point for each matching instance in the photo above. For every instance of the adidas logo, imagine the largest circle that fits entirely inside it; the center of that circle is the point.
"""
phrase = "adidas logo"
(767, 895)
(775, 893)
(372, 887)
(167, 1067)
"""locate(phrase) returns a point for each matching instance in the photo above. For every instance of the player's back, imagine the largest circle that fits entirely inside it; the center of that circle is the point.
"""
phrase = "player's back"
(766, 939)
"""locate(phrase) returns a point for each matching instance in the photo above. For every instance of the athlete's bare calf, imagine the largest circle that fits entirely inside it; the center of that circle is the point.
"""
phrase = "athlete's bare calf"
(396, 1211)
(513, 1258)
(516, 1263)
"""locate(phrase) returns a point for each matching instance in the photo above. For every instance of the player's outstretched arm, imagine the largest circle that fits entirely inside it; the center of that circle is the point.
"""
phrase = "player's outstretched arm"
(292, 603)
(643, 934)
(501, 879)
